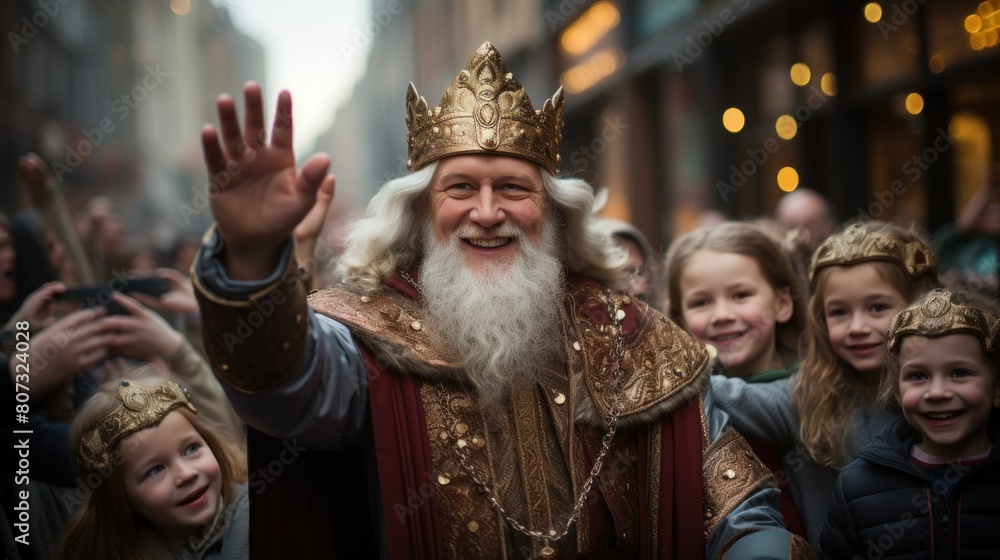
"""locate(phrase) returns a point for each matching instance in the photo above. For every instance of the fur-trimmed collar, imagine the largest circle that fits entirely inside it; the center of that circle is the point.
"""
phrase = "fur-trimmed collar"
(662, 368)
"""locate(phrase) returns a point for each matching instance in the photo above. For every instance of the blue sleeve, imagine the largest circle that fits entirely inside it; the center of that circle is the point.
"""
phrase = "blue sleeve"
(761, 545)
(212, 273)
(760, 410)
(758, 514)
(325, 404)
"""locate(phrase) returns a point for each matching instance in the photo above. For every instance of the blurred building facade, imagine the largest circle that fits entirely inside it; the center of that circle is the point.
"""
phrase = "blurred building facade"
(679, 108)
(427, 43)
(113, 95)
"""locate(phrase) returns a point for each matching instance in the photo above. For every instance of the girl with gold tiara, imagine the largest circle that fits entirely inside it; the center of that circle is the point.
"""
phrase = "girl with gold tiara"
(822, 416)
(163, 483)
(932, 473)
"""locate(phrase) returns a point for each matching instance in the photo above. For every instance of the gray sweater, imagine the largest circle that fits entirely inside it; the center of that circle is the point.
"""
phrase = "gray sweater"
(764, 410)
(226, 538)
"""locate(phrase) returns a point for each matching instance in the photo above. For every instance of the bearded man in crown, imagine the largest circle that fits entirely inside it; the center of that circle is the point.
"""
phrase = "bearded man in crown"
(506, 399)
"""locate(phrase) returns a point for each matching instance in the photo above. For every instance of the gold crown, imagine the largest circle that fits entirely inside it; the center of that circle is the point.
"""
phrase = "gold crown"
(936, 314)
(142, 407)
(484, 111)
(855, 245)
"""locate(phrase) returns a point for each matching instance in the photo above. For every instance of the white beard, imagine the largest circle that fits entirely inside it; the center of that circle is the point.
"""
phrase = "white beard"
(503, 321)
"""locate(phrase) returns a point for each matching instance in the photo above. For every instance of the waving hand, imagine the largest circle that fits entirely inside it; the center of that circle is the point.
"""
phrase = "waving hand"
(258, 195)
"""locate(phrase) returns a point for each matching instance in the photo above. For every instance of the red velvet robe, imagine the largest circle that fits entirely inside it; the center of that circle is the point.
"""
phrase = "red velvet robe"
(317, 506)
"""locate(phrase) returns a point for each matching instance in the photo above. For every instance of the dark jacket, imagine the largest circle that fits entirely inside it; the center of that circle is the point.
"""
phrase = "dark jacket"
(885, 507)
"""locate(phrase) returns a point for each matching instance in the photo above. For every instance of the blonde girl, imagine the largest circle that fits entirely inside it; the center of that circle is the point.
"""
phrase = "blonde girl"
(861, 278)
(162, 482)
(824, 415)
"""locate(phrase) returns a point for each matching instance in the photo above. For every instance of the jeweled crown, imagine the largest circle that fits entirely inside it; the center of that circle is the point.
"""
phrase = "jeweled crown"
(484, 111)
(935, 314)
(855, 245)
(142, 407)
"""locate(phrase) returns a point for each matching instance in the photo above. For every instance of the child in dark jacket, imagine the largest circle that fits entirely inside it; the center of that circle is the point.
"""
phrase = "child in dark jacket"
(930, 485)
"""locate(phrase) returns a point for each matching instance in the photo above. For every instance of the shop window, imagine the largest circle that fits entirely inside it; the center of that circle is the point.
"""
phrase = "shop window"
(973, 164)
(888, 44)
(975, 126)
(897, 176)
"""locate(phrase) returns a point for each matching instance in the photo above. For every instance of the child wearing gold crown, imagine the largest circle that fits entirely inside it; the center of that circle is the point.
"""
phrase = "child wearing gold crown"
(932, 473)
(163, 483)
(822, 416)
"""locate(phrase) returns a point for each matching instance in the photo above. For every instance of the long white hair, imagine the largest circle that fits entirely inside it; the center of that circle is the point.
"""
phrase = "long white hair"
(390, 236)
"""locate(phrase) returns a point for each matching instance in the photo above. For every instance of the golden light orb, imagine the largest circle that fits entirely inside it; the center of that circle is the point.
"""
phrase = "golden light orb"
(936, 63)
(786, 127)
(873, 12)
(733, 120)
(800, 73)
(788, 179)
(914, 103)
(828, 83)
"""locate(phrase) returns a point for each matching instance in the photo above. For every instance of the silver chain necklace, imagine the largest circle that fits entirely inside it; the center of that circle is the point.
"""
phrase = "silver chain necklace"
(462, 451)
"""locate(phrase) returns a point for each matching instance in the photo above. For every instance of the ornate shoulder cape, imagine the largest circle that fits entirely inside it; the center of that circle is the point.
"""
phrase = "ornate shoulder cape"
(663, 368)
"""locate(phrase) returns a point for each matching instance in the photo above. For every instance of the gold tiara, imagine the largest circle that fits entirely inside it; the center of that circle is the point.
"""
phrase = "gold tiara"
(142, 407)
(484, 111)
(855, 245)
(936, 314)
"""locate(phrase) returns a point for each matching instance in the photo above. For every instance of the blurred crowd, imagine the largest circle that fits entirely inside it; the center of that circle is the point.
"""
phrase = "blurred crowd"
(95, 309)
(88, 308)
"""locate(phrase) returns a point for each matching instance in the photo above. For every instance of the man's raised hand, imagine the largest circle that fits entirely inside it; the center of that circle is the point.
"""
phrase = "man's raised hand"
(259, 195)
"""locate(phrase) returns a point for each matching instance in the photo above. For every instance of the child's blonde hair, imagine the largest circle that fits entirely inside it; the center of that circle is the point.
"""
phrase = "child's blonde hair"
(825, 393)
(749, 240)
(104, 525)
(989, 335)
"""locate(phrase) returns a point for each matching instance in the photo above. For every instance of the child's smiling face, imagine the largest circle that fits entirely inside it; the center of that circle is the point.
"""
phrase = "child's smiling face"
(858, 304)
(727, 302)
(948, 388)
(171, 476)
